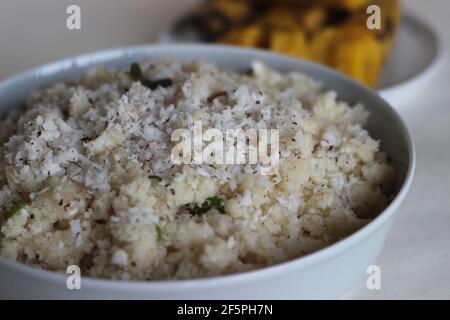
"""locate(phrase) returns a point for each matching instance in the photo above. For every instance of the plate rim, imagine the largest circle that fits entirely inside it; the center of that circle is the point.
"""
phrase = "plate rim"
(393, 92)
(390, 93)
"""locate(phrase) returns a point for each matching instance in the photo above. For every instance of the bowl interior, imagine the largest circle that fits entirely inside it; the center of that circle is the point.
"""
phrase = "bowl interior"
(384, 123)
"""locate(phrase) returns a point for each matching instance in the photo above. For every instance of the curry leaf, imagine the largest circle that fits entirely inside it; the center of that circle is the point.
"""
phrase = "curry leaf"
(15, 210)
(210, 203)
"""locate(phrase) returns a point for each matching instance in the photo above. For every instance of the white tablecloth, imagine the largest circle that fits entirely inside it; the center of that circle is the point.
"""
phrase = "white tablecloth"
(415, 262)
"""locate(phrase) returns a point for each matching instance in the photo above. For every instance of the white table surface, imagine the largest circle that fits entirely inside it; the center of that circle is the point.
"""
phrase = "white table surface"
(415, 262)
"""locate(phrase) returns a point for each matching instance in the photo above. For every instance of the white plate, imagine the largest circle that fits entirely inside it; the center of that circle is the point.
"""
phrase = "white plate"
(415, 58)
(324, 274)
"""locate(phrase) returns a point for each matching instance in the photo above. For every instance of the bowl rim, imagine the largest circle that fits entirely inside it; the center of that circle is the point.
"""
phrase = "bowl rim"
(104, 57)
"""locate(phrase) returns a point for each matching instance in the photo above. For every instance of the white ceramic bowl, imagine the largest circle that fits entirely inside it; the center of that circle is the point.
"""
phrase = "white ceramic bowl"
(417, 55)
(327, 273)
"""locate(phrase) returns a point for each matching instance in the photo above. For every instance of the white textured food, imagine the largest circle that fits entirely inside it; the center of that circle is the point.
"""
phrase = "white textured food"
(86, 176)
